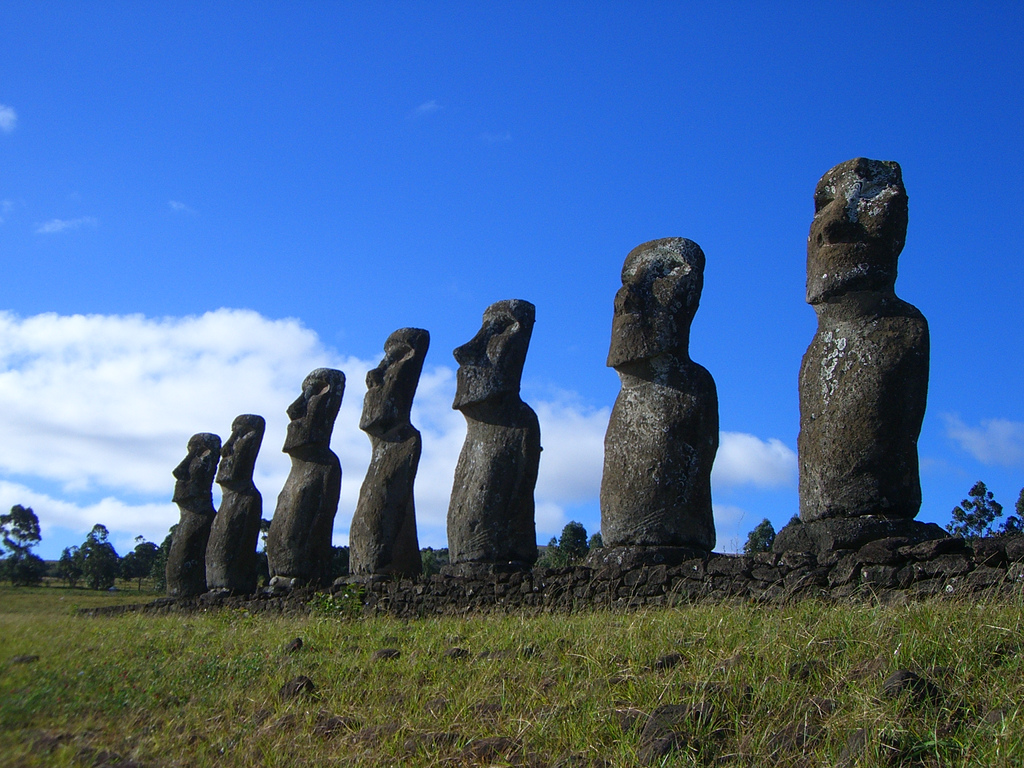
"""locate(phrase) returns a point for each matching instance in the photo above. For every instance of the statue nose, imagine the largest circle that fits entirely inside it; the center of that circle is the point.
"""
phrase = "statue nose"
(297, 409)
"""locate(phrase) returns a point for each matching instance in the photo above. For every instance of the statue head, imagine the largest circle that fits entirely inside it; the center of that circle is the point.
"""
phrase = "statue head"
(238, 456)
(390, 386)
(491, 364)
(661, 286)
(194, 475)
(859, 228)
(314, 411)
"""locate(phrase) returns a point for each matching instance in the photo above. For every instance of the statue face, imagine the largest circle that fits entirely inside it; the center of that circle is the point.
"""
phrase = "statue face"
(390, 386)
(194, 475)
(661, 286)
(238, 456)
(491, 363)
(314, 411)
(859, 228)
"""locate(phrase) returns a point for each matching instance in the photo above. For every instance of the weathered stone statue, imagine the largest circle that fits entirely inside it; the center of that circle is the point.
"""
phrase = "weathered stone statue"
(864, 378)
(663, 433)
(193, 493)
(382, 539)
(491, 513)
(299, 541)
(231, 553)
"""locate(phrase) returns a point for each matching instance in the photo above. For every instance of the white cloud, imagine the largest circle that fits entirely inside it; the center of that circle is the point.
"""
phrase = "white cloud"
(8, 118)
(6, 206)
(424, 109)
(496, 138)
(996, 441)
(179, 207)
(60, 225)
(747, 460)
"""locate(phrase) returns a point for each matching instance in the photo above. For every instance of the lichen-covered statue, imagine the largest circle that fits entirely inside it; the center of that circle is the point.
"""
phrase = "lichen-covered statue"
(299, 541)
(193, 493)
(231, 563)
(663, 433)
(382, 539)
(864, 378)
(491, 513)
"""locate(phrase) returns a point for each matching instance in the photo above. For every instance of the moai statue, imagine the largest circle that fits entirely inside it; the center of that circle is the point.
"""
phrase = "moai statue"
(663, 433)
(382, 539)
(299, 541)
(491, 513)
(193, 493)
(864, 378)
(231, 554)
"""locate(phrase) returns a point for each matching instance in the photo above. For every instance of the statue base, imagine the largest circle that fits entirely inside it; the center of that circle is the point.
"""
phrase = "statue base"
(822, 537)
(477, 570)
(630, 557)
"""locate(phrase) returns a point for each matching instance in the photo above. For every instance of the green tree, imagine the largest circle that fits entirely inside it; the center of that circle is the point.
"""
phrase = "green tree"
(158, 571)
(433, 560)
(974, 516)
(339, 562)
(20, 532)
(138, 563)
(551, 557)
(760, 539)
(573, 542)
(69, 567)
(596, 542)
(99, 559)
(570, 548)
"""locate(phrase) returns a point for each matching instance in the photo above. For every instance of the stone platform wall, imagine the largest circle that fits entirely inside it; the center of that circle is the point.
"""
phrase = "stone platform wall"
(881, 570)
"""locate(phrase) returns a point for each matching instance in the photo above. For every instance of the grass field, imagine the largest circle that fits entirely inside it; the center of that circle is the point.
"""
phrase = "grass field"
(727, 685)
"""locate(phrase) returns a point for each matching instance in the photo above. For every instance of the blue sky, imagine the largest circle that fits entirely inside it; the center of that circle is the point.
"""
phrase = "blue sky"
(199, 203)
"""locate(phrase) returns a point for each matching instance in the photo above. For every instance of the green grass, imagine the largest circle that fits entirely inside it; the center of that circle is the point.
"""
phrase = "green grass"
(766, 686)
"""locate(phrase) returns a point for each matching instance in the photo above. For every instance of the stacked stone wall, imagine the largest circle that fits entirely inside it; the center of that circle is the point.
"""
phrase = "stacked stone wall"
(883, 571)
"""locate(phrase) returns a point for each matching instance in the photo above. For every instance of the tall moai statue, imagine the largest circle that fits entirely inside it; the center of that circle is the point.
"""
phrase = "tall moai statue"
(231, 554)
(663, 433)
(193, 493)
(382, 539)
(491, 513)
(864, 378)
(299, 541)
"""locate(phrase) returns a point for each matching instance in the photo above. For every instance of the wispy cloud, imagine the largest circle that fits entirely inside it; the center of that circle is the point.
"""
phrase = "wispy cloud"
(8, 118)
(61, 225)
(996, 441)
(179, 207)
(424, 109)
(6, 206)
(496, 138)
(744, 459)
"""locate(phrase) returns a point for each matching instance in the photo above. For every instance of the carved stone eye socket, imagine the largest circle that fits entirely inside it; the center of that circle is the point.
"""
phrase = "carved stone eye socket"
(822, 197)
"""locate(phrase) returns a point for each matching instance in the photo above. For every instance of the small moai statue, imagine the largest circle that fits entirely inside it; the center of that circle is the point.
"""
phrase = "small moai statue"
(193, 493)
(299, 541)
(231, 554)
(864, 378)
(382, 539)
(491, 512)
(663, 433)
